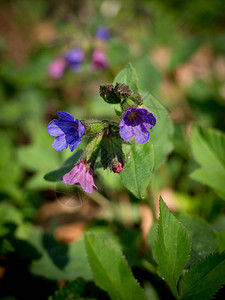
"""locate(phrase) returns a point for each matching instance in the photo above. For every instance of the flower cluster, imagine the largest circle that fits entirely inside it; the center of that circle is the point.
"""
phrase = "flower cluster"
(75, 58)
(105, 138)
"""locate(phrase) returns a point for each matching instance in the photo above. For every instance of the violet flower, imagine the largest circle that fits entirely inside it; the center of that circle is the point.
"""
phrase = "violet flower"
(99, 60)
(67, 130)
(57, 67)
(82, 175)
(74, 59)
(102, 33)
(136, 122)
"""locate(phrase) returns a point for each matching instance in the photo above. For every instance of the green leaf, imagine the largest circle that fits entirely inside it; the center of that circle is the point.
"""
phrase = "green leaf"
(203, 238)
(149, 77)
(152, 235)
(171, 248)
(137, 173)
(58, 261)
(205, 278)
(71, 291)
(162, 133)
(57, 174)
(208, 146)
(128, 76)
(221, 240)
(110, 270)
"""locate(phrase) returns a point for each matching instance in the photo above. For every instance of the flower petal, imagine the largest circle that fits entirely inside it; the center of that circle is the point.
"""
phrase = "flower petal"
(74, 143)
(148, 119)
(126, 133)
(65, 116)
(68, 127)
(81, 128)
(60, 143)
(141, 134)
(71, 177)
(53, 128)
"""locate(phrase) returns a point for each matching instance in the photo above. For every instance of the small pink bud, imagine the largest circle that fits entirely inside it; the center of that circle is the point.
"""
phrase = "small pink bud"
(119, 168)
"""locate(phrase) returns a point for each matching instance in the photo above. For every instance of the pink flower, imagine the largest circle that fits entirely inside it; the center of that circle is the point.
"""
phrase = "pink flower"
(99, 60)
(82, 175)
(56, 68)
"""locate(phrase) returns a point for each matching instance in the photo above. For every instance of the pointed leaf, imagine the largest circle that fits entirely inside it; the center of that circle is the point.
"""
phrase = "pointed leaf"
(137, 173)
(205, 278)
(171, 248)
(57, 260)
(128, 76)
(110, 270)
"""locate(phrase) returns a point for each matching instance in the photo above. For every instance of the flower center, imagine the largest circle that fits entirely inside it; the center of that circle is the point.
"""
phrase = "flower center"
(132, 115)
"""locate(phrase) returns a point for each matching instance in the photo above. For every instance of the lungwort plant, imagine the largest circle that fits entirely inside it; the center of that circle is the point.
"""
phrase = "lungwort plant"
(186, 252)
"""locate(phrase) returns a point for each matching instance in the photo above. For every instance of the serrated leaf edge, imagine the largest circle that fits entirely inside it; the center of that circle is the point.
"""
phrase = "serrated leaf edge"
(160, 198)
(199, 262)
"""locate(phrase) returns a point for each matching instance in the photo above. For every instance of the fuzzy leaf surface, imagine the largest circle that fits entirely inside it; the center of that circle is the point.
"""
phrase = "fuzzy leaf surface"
(110, 270)
(203, 238)
(162, 133)
(205, 278)
(137, 173)
(128, 76)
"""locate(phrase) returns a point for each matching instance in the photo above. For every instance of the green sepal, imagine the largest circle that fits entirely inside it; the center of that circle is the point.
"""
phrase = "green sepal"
(92, 127)
(92, 149)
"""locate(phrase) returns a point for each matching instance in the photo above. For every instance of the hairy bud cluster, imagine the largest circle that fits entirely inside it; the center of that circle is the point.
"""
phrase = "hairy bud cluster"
(105, 138)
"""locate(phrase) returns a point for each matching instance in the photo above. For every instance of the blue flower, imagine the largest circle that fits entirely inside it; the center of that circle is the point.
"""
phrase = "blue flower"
(74, 59)
(135, 122)
(102, 33)
(67, 130)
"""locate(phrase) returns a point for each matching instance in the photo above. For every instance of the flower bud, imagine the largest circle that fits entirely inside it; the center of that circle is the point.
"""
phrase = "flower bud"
(108, 94)
(122, 90)
(111, 152)
(117, 166)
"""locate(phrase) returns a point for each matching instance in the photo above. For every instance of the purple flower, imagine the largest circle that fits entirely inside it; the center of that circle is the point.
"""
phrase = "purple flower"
(99, 60)
(56, 68)
(67, 131)
(74, 59)
(136, 122)
(102, 33)
(81, 175)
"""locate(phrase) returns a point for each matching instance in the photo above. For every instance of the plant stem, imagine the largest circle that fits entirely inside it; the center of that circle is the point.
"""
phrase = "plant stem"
(151, 203)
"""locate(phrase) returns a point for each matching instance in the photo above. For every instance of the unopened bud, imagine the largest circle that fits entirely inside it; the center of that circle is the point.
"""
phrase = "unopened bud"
(117, 166)
(135, 97)
(108, 94)
(111, 151)
(122, 90)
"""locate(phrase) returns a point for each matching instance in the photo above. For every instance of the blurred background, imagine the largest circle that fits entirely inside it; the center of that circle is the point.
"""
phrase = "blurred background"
(54, 56)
